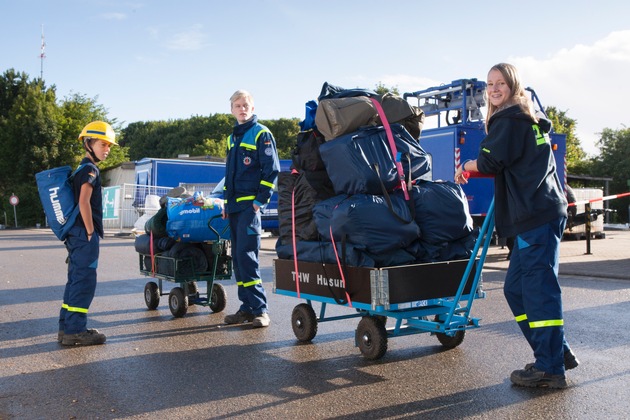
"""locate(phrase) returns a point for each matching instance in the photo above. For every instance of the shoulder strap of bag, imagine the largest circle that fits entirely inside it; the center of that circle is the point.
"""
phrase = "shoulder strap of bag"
(392, 146)
(388, 200)
(76, 171)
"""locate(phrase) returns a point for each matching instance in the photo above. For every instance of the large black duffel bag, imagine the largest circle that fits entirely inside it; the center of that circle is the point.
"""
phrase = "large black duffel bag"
(363, 163)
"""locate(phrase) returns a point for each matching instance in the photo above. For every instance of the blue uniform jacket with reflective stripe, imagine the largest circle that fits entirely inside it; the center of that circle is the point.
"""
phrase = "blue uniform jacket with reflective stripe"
(517, 151)
(251, 167)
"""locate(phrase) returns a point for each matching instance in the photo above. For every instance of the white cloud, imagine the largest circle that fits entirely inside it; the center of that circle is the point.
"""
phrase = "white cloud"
(190, 40)
(587, 81)
(114, 16)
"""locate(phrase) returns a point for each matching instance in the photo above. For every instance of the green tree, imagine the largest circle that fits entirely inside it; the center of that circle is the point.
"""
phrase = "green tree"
(564, 125)
(199, 135)
(285, 131)
(381, 89)
(614, 162)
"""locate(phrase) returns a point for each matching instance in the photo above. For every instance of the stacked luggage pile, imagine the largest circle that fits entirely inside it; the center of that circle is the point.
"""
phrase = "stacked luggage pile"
(178, 237)
(360, 192)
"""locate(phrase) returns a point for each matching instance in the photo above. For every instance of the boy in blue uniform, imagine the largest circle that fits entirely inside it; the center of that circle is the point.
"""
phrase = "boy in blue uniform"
(84, 238)
(251, 170)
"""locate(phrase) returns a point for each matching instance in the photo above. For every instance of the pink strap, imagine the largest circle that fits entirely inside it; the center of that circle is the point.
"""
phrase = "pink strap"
(295, 256)
(332, 240)
(392, 146)
(152, 256)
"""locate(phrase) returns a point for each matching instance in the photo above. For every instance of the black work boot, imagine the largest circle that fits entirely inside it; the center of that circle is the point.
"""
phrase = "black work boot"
(85, 338)
(570, 361)
(534, 378)
(239, 318)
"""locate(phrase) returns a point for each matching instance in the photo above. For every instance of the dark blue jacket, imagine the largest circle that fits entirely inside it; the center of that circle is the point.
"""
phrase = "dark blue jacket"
(517, 151)
(91, 174)
(251, 166)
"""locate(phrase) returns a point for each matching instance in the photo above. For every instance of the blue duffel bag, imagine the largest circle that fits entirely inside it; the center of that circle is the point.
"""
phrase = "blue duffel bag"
(368, 221)
(363, 163)
(196, 220)
(441, 211)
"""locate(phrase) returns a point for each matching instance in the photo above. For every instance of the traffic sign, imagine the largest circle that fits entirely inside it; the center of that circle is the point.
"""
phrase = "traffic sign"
(14, 200)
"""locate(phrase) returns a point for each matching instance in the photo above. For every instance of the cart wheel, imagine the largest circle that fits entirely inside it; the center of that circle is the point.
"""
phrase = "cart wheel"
(371, 337)
(381, 318)
(192, 288)
(304, 322)
(218, 298)
(178, 302)
(452, 339)
(151, 295)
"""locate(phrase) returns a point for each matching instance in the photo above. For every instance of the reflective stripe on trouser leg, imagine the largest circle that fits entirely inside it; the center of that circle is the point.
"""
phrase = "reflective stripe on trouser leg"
(533, 293)
(245, 230)
(81, 285)
(515, 299)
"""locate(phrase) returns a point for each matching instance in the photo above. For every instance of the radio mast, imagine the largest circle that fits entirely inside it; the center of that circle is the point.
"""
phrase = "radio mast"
(42, 55)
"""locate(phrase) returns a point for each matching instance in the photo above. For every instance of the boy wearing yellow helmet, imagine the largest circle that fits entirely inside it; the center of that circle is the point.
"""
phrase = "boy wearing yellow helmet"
(84, 238)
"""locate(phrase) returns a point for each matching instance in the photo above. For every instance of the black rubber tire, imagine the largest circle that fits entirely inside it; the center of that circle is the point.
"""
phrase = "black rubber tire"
(152, 295)
(192, 288)
(452, 339)
(178, 302)
(218, 298)
(381, 318)
(304, 322)
(371, 338)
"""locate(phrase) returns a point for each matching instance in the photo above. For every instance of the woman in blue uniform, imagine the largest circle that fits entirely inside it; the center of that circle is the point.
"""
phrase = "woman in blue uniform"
(530, 206)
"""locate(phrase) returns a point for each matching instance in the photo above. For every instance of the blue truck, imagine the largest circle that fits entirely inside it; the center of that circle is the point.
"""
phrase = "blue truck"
(457, 126)
(175, 172)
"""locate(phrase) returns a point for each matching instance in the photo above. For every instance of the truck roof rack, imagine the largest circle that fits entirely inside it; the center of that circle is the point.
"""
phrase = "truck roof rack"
(464, 97)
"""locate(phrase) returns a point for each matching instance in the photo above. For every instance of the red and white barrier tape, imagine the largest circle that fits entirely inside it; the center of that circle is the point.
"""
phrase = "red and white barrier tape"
(592, 200)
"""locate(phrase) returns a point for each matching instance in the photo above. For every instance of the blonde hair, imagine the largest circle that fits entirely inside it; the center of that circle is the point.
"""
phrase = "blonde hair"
(519, 96)
(241, 94)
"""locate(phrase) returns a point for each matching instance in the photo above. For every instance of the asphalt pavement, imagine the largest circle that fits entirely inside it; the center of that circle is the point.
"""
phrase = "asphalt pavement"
(195, 367)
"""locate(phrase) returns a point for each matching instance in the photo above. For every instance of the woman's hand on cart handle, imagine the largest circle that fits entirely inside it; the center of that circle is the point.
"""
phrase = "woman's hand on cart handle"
(462, 174)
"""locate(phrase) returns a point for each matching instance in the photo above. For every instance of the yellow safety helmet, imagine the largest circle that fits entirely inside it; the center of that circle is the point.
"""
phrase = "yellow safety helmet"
(99, 130)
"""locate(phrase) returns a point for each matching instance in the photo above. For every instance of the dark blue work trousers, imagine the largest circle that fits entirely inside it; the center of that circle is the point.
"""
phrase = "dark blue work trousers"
(245, 227)
(81, 285)
(534, 296)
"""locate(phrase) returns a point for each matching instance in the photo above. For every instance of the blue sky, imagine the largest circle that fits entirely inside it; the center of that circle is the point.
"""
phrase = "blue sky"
(160, 60)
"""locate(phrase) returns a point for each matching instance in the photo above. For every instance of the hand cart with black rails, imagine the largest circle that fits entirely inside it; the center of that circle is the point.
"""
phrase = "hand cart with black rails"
(433, 298)
(182, 271)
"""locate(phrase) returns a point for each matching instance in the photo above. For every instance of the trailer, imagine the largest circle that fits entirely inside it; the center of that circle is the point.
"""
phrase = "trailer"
(152, 172)
(457, 127)
(181, 271)
(433, 298)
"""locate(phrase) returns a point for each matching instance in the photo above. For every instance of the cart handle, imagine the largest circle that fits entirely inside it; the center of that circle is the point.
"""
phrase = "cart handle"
(225, 229)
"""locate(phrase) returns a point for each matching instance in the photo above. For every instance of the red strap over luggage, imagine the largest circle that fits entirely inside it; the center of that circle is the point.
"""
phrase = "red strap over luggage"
(392, 145)
(295, 261)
